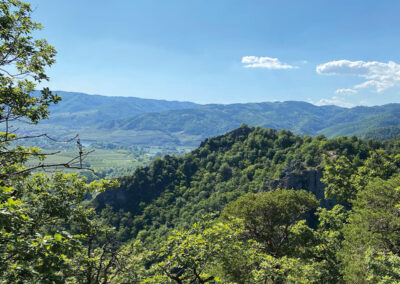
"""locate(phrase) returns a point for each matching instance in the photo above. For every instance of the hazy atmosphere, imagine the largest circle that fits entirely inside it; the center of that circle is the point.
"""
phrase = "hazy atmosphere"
(324, 52)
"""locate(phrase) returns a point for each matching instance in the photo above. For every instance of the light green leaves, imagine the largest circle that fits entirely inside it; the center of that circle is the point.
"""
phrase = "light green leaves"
(58, 237)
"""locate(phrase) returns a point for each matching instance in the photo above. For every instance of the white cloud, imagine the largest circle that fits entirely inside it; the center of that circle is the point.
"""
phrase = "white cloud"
(378, 75)
(265, 62)
(346, 91)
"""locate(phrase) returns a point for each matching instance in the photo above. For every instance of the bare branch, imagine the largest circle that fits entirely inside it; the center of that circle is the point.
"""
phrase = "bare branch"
(24, 74)
(42, 166)
(29, 153)
(44, 135)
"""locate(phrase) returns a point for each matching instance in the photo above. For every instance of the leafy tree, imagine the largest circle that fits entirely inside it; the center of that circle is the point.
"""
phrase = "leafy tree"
(373, 227)
(337, 175)
(270, 216)
(327, 242)
(133, 262)
(23, 60)
(45, 224)
(23, 63)
(345, 178)
(382, 267)
(191, 256)
(100, 257)
(37, 242)
(225, 171)
(285, 270)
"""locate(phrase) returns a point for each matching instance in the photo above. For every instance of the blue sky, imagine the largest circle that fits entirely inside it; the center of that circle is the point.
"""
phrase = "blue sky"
(217, 51)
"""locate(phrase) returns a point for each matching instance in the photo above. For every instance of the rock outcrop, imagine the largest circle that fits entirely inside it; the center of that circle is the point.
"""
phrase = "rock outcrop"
(308, 179)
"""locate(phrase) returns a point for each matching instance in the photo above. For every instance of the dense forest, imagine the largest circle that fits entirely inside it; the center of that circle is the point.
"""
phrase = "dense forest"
(193, 125)
(293, 198)
(254, 205)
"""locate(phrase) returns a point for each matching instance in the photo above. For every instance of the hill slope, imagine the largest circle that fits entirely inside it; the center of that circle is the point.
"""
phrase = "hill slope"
(194, 125)
(128, 120)
(176, 191)
(87, 109)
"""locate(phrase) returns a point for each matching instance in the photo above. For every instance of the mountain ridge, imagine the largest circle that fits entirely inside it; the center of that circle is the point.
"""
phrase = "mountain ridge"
(97, 108)
(132, 120)
(300, 117)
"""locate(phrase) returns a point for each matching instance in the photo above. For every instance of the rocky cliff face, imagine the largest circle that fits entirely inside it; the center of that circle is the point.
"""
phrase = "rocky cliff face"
(309, 180)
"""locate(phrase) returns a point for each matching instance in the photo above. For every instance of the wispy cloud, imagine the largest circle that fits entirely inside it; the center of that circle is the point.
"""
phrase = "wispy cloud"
(265, 62)
(332, 101)
(345, 91)
(378, 75)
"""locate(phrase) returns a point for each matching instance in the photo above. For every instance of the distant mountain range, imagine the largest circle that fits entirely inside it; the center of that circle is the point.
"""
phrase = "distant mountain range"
(92, 109)
(157, 122)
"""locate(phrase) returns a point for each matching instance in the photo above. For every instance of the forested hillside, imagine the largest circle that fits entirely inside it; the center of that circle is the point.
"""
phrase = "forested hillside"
(194, 125)
(179, 190)
(250, 171)
(211, 120)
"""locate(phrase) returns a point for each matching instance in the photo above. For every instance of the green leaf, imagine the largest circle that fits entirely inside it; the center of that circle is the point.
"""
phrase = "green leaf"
(58, 237)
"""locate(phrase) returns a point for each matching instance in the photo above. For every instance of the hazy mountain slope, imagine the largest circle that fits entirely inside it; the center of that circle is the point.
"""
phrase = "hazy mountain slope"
(300, 117)
(83, 109)
(131, 120)
(210, 120)
(358, 120)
